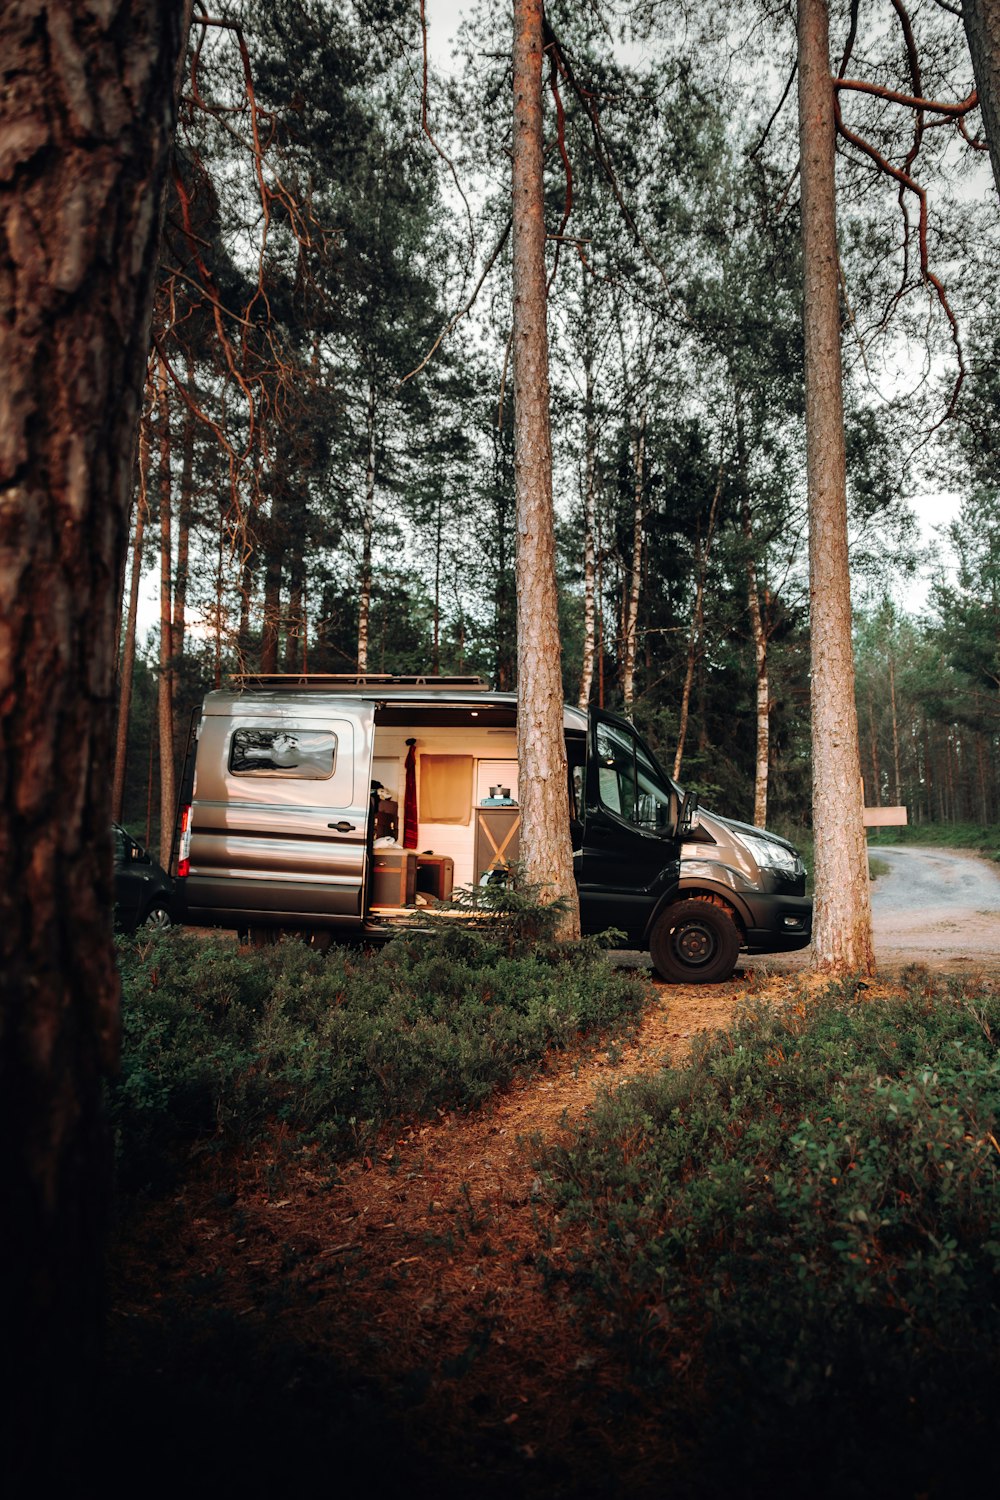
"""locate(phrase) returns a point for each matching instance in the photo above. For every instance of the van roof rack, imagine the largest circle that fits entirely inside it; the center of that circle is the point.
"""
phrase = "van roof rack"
(345, 682)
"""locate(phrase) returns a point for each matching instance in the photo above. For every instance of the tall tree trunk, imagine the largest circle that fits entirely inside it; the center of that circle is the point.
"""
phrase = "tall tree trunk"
(842, 933)
(758, 632)
(630, 599)
(543, 786)
(589, 505)
(86, 121)
(697, 626)
(982, 28)
(127, 672)
(367, 527)
(165, 685)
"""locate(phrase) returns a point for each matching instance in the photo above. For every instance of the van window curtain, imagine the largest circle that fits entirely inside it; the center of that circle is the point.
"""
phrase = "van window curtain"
(446, 788)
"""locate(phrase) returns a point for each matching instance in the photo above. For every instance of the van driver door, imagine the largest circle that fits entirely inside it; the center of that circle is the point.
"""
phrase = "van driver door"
(629, 851)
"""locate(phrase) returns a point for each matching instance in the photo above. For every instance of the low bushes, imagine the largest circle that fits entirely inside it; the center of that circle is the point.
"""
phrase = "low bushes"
(796, 1240)
(219, 1041)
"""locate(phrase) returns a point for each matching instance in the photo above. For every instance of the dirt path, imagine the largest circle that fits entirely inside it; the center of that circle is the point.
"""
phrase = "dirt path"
(425, 1269)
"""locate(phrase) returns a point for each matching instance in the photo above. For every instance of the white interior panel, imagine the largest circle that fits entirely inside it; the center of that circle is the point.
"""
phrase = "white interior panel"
(495, 754)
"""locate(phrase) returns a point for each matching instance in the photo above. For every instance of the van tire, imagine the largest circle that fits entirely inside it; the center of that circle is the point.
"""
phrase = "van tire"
(694, 942)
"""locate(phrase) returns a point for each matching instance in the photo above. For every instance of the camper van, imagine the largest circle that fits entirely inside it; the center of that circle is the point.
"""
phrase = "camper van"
(324, 805)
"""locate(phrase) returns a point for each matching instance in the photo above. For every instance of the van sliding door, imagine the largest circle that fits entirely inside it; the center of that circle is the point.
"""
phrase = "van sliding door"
(280, 813)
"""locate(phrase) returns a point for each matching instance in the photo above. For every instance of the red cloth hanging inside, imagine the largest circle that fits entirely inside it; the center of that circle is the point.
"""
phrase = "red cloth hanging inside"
(410, 832)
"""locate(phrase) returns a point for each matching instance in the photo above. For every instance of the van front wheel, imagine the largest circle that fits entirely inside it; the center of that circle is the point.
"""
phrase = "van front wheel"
(694, 942)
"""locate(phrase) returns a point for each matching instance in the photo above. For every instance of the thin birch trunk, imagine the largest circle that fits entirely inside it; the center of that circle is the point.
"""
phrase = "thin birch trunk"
(873, 745)
(589, 470)
(763, 698)
(842, 933)
(895, 730)
(599, 569)
(630, 611)
(246, 596)
(184, 522)
(219, 601)
(165, 686)
(128, 646)
(436, 661)
(271, 624)
(367, 527)
(295, 634)
(543, 786)
(697, 625)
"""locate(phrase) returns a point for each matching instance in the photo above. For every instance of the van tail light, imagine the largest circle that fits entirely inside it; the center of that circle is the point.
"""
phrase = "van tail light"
(184, 848)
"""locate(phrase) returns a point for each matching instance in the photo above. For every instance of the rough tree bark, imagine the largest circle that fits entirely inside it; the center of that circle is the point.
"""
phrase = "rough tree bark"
(842, 933)
(981, 19)
(86, 120)
(546, 851)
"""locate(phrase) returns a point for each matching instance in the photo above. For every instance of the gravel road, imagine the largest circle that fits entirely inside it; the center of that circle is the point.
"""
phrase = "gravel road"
(939, 907)
(936, 905)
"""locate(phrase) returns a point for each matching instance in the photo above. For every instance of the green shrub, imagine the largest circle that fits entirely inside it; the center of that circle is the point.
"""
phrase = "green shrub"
(800, 1233)
(219, 1042)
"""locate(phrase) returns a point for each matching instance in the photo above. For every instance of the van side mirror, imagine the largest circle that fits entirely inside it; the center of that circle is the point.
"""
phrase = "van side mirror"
(689, 813)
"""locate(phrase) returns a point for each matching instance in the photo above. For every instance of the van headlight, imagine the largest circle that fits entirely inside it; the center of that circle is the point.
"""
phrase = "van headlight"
(770, 855)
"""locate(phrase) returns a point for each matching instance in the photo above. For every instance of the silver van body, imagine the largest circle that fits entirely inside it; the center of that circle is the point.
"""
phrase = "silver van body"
(278, 828)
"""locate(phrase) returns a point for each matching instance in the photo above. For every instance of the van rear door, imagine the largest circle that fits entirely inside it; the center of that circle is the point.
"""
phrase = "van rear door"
(630, 849)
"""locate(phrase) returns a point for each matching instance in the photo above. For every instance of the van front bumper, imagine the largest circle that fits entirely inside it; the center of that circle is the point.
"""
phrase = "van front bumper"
(778, 924)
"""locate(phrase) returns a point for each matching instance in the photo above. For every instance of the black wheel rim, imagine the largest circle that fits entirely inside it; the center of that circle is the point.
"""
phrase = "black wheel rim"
(694, 944)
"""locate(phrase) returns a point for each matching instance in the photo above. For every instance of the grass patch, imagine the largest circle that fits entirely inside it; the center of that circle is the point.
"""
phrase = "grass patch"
(220, 1042)
(877, 867)
(795, 1241)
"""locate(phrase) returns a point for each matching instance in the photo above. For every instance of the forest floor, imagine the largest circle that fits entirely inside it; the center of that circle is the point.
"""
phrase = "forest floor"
(414, 1274)
(400, 1315)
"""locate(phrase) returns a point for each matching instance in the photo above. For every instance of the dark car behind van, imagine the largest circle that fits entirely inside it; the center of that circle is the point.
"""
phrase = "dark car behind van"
(145, 895)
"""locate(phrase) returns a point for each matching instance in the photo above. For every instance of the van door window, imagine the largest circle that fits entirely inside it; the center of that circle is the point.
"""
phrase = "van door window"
(305, 754)
(629, 784)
